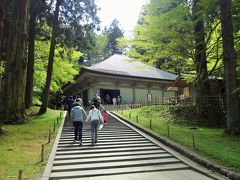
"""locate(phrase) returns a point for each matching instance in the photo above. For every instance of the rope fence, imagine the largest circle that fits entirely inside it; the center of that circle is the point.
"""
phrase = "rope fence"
(43, 148)
(188, 136)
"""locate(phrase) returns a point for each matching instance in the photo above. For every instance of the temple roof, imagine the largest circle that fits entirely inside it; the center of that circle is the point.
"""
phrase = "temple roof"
(123, 65)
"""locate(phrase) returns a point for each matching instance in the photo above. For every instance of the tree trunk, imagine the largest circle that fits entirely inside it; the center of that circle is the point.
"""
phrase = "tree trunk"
(200, 57)
(2, 14)
(30, 65)
(1, 24)
(13, 110)
(232, 99)
(46, 89)
(2, 37)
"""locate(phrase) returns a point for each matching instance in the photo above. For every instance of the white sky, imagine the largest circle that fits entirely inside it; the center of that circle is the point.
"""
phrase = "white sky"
(125, 11)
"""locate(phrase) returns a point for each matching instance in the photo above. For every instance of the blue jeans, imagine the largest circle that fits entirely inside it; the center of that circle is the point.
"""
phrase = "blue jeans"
(94, 129)
(78, 125)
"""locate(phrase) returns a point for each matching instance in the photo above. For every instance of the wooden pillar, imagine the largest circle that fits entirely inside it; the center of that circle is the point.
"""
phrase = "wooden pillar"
(134, 94)
(163, 96)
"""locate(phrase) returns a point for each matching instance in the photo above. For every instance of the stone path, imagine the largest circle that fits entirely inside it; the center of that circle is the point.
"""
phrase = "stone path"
(121, 153)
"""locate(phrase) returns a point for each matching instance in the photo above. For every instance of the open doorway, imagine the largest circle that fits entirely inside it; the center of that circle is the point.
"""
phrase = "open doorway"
(108, 94)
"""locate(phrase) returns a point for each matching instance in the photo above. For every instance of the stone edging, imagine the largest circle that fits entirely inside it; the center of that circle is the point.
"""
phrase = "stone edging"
(48, 167)
(190, 154)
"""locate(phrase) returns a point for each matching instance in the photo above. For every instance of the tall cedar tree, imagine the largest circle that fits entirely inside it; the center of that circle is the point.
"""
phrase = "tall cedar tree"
(200, 57)
(30, 65)
(114, 32)
(13, 106)
(1, 37)
(1, 23)
(46, 89)
(232, 99)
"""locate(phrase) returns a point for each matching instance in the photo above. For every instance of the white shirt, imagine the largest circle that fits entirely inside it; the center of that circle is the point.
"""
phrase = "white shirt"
(95, 114)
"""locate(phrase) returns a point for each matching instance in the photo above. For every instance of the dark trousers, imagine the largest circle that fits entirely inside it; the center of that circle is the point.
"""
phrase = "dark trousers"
(78, 126)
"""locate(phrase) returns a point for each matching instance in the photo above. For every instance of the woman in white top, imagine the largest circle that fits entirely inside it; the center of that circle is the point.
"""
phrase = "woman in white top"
(95, 118)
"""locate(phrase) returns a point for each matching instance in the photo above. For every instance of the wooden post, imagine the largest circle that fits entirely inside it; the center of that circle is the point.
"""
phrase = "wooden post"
(60, 114)
(168, 131)
(20, 173)
(49, 136)
(54, 126)
(150, 124)
(193, 141)
(42, 153)
(57, 120)
(137, 118)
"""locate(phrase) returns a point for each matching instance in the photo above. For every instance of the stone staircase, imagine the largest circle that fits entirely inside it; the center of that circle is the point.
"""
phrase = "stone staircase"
(120, 150)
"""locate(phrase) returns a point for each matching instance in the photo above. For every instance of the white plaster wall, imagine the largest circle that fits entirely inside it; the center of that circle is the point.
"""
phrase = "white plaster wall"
(140, 94)
(92, 92)
(156, 93)
(127, 94)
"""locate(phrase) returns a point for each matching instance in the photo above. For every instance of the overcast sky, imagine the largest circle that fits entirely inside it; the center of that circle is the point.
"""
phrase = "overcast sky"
(125, 11)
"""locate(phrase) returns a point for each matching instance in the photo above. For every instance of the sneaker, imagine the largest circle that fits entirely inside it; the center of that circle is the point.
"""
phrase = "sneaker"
(95, 141)
(92, 143)
(80, 143)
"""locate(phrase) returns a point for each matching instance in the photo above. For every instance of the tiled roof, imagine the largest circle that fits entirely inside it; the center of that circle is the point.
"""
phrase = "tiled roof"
(123, 65)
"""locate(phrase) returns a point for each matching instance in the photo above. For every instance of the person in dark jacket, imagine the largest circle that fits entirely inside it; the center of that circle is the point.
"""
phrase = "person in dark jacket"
(70, 102)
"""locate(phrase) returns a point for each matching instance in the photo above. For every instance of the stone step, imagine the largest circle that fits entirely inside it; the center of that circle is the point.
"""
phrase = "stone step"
(110, 165)
(98, 147)
(101, 132)
(123, 141)
(106, 142)
(109, 154)
(95, 150)
(105, 146)
(119, 170)
(112, 159)
(104, 135)
(105, 138)
(119, 127)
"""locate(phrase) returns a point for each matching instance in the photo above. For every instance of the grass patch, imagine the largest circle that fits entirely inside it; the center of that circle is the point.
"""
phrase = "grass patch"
(21, 145)
(211, 143)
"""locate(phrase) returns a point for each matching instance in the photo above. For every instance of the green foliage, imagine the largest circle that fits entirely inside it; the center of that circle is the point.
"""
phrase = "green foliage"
(165, 35)
(78, 22)
(104, 44)
(1, 69)
(64, 69)
(100, 50)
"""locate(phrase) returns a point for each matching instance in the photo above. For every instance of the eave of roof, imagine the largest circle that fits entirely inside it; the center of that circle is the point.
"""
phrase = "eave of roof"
(121, 75)
(123, 66)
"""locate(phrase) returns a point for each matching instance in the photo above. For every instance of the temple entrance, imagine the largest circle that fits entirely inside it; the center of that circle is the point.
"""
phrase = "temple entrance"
(108, 94)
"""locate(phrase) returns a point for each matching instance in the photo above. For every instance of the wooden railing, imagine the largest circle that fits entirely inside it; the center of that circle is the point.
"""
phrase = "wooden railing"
(210, 100)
